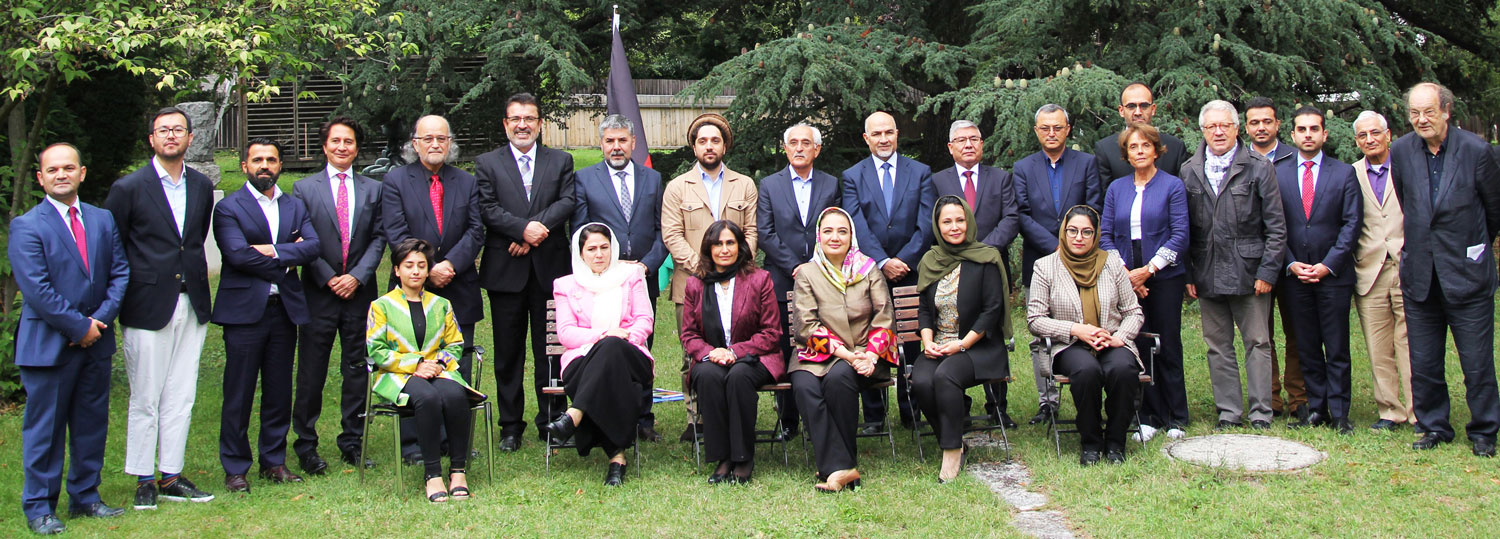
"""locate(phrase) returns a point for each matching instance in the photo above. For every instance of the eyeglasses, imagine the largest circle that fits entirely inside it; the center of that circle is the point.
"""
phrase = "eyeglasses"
(965, 140)
(1085, 233)
(1044, 129)
(1224, 126)
(170, 131)
(1138, 106)
(522, 119)
(1368, 135)
(429, 139)
(1428, 114)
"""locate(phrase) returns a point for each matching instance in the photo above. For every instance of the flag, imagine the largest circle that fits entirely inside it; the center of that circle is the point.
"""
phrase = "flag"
(620, 94)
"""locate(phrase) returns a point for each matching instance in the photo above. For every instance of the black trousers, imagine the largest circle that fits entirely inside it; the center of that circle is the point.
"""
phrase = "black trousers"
(1472, 321)
(315, 344)
(510, 314)
(263, 350)
(726, 402)
(1164, 404)
(874, 406)
(1112, 373)
(938, 386)
(830, 410)
(606, 385)
(409, 428)
(439, 405)
(1320, 312)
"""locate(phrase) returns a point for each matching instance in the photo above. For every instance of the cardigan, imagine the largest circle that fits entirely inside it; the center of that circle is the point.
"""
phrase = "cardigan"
(575, 331)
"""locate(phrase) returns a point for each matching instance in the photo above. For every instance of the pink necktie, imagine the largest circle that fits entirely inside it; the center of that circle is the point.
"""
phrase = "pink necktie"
(342, 209)
(435, 195)
(79, 237)
(969, 194)
(1307, 189)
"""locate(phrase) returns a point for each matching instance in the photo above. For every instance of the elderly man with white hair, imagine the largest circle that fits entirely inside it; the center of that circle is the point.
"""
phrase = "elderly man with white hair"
(1238, 234)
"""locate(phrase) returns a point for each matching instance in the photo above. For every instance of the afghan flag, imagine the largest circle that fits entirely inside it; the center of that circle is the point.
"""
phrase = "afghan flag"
(620, 94)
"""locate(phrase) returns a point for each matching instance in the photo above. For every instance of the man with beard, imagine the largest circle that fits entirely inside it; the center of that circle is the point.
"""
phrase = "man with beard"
(707, 193)
(626, 197)
(1137, 105)
(264, 235)
(1264, 129)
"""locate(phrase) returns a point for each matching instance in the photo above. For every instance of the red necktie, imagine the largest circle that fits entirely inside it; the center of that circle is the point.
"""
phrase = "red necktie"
(969, 193)
(79, 236)
(342, 210)
(435, 192)
(1307, 189)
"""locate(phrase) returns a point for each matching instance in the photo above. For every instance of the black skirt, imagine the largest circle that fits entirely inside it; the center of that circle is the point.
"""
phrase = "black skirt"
(606, 384)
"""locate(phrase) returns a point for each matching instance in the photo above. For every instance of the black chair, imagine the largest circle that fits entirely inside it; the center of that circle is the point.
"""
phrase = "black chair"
(1058, 427)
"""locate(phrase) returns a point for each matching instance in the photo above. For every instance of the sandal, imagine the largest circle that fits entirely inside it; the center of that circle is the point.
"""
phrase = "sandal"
(458, 493)
(437, 497)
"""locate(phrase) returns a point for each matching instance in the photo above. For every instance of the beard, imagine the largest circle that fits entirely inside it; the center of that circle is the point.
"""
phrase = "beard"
(709, 162)
(618, 163)
(262, 183)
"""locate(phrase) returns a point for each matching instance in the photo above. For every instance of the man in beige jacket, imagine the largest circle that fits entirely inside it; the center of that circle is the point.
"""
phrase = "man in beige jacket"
(1377, 285)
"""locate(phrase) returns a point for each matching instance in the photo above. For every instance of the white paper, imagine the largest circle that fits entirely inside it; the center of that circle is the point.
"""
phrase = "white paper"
(1475, 251)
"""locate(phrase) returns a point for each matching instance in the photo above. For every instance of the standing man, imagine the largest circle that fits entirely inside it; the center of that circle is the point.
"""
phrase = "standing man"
(626, 197)
(70, 266)
(707, 193)
(1450, 190)
(339, 285)
(1377, 285)
(1264, 129)
(525, 194)
(890, 197)
(264, 235)
(1238, 232)
(992, 197)
(787, 211)
(437, 202)
(162, 212)
(1137, 105)
(1047, 183)
(1323, 207)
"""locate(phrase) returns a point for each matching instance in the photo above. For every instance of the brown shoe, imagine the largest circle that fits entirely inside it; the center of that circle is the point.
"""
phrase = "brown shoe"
(236, 483)
(280, 474)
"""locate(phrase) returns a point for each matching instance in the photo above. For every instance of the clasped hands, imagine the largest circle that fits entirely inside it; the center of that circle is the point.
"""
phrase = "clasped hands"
(1309, 273)
(616, 332)
(894, 269)
(863, 362)
(1096, 337)
(934, 350)
(722, 356)
(428, 369)
(532, 236)
(95, 331)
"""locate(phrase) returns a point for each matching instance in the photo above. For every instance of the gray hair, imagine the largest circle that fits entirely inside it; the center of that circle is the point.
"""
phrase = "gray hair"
(786, 136)
(961, 124)
(616, 121)
(1051, 108)
(409, 153)
(1372, 114)
(1219, 105)
(1445, 96)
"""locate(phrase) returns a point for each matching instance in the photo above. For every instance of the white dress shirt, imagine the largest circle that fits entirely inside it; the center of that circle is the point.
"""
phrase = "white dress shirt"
(62, 209)
(725, 293)
(270, 207)
(176, 191)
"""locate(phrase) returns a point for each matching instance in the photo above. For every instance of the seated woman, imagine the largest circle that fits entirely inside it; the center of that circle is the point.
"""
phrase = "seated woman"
(603, 320)
(1081, 298)
(842, 317)
(731, 328)
(964, 323)
(414, 342)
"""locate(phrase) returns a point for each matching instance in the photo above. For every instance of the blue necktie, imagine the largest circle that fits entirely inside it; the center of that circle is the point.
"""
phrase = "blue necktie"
(888, 185)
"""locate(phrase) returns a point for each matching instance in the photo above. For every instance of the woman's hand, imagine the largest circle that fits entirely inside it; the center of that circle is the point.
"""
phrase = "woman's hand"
(616, 332)
(932, 350)
(721, 356)
(1139, 275)
(952, 347)
(863, 363)
(1091, 335)
(428, 369)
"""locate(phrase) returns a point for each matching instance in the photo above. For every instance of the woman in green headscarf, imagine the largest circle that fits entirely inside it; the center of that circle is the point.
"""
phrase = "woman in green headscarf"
(964, 322)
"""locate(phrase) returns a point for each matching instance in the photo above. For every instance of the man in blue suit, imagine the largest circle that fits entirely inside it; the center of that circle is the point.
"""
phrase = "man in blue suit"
(1324, 210)
(626, 197)
(263, 234)
(1047, 183)
(890, 197)
(71, 268)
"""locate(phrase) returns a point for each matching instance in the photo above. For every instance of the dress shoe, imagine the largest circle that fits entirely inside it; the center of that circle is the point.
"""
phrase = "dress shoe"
(1260, 424)
(510, 443)
(415, 459)
(1277, 413)
(647, 433)
(689, 432)
(1384, 424)
(313, 464)
(351, 458)
(615, 476)
(237, 483)
(1343, 426)
(95, 510)
(1041, 414)
(182, 490)
(47, 524)
(1007, 421)
(1484, 448)
(145, 495)
(839, 480)
(872, 429)
(1225, 424)
(1088, 457)
(1429, 441)
(1312, 419)
(560, 428)
(1300, 412)
(279, 474)
(1115, 456)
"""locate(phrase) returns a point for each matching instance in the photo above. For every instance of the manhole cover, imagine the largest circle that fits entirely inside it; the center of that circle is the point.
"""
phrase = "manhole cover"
(1248, 452)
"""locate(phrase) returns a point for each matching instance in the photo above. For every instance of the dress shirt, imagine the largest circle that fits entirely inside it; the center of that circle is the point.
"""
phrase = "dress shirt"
(333, 188)
(1055, 179)
(1377, 174)
(1317, 161)
(1135, 212)
(714, 187)
(879, 163)
(62, 209)
(1271, 155)
(176, 191)
(802, 190)
(614, 180)
(526, 175)
(725, 293)
(1435, 167)
(269, 207)
(1216, 167)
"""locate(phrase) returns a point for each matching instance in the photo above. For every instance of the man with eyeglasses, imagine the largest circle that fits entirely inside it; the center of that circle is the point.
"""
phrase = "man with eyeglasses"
(1237, 235)
(1450, 192)
(526, 199)
(162, 212)
(1137, 105)
(1047, 183)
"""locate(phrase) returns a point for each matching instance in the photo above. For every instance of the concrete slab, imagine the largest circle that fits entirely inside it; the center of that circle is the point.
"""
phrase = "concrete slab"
(1244, 452)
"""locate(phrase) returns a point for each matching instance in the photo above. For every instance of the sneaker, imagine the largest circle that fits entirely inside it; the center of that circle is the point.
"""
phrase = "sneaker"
(145, 495)
(1175, 433)
(1145, 435)
(182, 490)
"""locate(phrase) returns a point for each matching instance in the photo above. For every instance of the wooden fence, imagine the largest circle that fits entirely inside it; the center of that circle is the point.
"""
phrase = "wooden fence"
(665, 117)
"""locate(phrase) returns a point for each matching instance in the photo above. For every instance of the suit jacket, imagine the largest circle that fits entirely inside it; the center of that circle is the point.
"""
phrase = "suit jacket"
(1113, 166)
(247, 276)
(1282, 152)
(596, 200)
(1328, 237)
(406, 212)
(1380, 234)
(1164, 222)
(162, 260)
(366, 241)
(576, 331)
(1440, 235)
(1039, 215)
(904, 232)
(1236, 236)
(1053, 305)
(785, 239)
(58, 295)
(982, 293)
(505, 211)
(849, 314)
(996, 212)
(756, 327)
(392, 345)
(685, 217)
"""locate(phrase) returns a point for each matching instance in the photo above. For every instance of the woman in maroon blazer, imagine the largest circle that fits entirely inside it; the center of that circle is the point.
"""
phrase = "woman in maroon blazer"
(731, 329)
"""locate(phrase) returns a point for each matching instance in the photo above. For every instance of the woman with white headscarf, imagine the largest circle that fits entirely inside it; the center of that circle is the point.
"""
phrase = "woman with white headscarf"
(603, 320)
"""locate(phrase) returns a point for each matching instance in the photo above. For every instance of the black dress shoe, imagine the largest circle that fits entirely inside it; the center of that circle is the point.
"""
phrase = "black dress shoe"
(1115, 456)
(1225, 424)
(1041, 415)
(1007, 421)
(1312, 419)
(414, 459)
(615, 476)
(47, 524)
(1260, 424)
(1429, 441)
(1300, 412)
(719, 478)
(872, 429)
(237, 483)
(510, 443)
(95, 510)
(688, 432)
(351, 458)
(561, 429)
(313, 464)
(279, 474)
(1343, 426)
(1384, 424)
(1484, 448)
(1088, 457)
(647, 433)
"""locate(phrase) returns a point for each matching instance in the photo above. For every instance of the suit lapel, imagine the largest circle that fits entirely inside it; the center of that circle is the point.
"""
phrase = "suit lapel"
(1450, 168)
(1067, 178)
(512, 172)
(258, 222)
(323, 186)
(97, 235)
(788, 196)
(450, 198)
(48, 214)
(158, 194)
(740, 304)
(199, 196)
(639, 204)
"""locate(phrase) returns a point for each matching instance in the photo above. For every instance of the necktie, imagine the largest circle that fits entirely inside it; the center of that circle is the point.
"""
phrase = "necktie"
(969, 193)
(435, 194)
(624, 195)
(78, 236)
(888, 185)
(341, 209)
(1307, 188)
(526, 175)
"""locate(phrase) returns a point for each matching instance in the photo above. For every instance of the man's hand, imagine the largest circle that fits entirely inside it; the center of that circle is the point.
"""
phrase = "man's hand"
(441, 274)
(265, 249)
(343, 285)
(1311, 274)
(895, 269)
(534, 234)
(95, 327)
(1192, 291)
(1141, 291)
(519, 249)
(1138, 276)
(1262, 287)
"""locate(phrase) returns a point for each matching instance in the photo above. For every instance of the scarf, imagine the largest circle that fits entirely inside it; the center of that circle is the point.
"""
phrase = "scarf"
(943, 256)
(608, 286)
(1085, 270)
(856, 266)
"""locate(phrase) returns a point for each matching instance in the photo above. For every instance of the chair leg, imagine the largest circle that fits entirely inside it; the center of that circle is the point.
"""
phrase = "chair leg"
(697, 448)
(890, 434)
(547, 453)
(364, 443)
(396, 438)
(786, 459)
(489, 437)
(1054, 428)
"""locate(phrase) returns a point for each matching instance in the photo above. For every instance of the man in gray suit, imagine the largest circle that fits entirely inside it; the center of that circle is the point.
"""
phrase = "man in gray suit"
(1234, 254)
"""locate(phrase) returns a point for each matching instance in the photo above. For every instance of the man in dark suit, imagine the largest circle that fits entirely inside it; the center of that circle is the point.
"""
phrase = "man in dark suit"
(1137, 105)
(1264, 129)
(790, 202)
(339, 285)
(162, 212)
(1047, 183)
(890, 197)
(992, 197)
(70, 266)
(1323, 208)
(1450, 191)
(626, 197)
(437, 202)
(525, 198)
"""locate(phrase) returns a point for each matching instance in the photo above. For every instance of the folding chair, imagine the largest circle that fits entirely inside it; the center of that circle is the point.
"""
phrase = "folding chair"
(1058, 427)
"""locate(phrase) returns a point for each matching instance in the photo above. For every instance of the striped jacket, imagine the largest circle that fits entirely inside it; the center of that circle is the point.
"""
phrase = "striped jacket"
(390, 341)
(1053, 305)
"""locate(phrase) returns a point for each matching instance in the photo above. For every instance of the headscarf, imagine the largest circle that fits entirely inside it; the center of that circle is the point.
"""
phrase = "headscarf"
(943, 256)
(856, 265)
(608, 286)
(1084, 268)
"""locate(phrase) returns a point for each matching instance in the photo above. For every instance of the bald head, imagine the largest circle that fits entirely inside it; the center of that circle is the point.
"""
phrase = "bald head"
(60, 170)
(1428, 107)
(433, 142)
(880, 135)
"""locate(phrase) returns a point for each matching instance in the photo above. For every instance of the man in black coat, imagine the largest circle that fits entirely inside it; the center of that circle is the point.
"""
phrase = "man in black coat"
(1137, 105)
